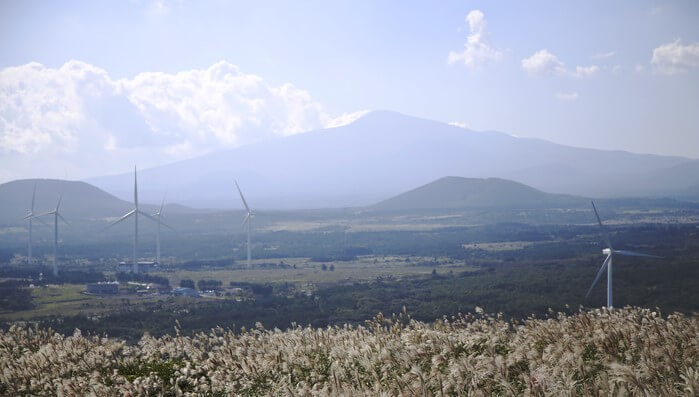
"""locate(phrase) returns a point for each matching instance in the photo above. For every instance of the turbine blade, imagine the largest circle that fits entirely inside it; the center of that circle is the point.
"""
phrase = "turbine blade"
(604, 231)
(168, 226)
(59, 202)
(135, 188)
(631, 253)
(599, 274)
(41, 220)
(245, 203)
(156, 219)
(128, 214)
(63, 219)
(247, 219)
(38, 215)
(33, 196)
(162, 204)
(149, 216)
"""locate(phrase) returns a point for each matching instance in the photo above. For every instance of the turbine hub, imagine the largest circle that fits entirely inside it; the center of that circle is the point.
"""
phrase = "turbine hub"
(607, 251)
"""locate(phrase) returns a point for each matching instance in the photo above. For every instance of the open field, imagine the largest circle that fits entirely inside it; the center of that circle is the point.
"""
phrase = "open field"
(70, 299)
(302, 271)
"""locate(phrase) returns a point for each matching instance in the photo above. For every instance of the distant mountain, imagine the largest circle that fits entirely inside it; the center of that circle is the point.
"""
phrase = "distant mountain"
(689, 194)
(383, 154)
(679, 181)
(81, 201)
(469, 193)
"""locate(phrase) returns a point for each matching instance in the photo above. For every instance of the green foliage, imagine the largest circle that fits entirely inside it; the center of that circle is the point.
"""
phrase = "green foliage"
(204, 285)
(14, 296)
(165, 370)
(187, 284)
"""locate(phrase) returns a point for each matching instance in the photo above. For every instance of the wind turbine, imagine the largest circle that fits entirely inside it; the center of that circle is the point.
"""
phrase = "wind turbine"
(30, 216)
(134, 212)
(248, 218)
(56, 215)
(610, 252)
(157, 216)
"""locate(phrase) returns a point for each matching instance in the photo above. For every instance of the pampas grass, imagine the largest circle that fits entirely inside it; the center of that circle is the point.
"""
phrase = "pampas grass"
(628, 351)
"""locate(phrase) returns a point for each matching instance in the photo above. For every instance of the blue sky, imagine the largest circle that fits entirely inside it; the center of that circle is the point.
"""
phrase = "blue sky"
(590, 78)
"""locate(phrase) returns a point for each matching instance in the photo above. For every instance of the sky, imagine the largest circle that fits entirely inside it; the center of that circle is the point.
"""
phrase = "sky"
(90, 88)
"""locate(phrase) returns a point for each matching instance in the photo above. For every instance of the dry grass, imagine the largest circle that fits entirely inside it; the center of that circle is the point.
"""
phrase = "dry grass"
(622, 352)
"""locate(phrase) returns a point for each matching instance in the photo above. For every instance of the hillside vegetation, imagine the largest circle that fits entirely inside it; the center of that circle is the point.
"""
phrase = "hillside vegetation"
(621, 352)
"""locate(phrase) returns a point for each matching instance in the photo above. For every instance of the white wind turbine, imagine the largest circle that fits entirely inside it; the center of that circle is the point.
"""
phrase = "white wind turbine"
(56, 215)
(134, 212)
(157, 216)
(248, 218)
(610, 252)
(30, 216)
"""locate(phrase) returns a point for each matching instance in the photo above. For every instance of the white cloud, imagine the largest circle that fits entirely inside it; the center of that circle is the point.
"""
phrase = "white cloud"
(585, 71)
(567, 96)
(604, 55)
(477, 49)
(675, 57)
(152, 118)
(41, 107)
(544, 63)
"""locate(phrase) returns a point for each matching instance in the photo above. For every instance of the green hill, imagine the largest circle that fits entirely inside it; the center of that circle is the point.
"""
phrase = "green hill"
(81, 201)
(456, 193)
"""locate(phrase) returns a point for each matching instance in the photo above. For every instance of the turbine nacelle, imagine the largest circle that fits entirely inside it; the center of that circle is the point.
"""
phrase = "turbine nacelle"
(607, 251)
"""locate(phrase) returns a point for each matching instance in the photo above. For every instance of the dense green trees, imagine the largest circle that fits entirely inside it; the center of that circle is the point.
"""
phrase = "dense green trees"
(204, 285)
(187, 284)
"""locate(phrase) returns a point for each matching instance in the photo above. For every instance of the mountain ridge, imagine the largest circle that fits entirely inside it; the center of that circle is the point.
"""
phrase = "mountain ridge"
(385, 153)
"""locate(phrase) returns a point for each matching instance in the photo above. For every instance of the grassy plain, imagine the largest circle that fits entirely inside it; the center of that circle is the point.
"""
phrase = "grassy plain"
(70, 299)
(303, 271)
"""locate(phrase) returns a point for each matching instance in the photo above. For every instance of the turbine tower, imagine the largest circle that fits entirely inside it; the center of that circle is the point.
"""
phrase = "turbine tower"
(30, 216)
(248, 218)
(134, 212)
(157, 216)
(610, 252)
(56, 215)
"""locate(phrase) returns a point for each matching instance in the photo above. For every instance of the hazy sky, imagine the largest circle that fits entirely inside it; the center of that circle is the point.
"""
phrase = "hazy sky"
(89, 88)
